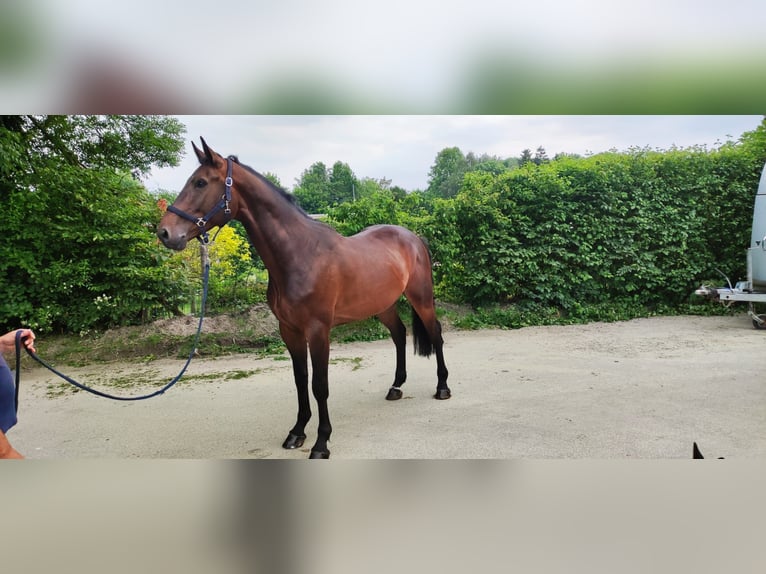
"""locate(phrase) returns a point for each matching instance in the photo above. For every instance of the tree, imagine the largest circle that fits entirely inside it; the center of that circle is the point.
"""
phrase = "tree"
(80, 250)
(342, 184)
(566, 155)
(130, 144)
(273, 178)
(446, 174)
(512, 162)
(540, 156)
(320, 188)
(493, 166)
(398, 192)
(366, 187)
(525, 158)
(313, 189)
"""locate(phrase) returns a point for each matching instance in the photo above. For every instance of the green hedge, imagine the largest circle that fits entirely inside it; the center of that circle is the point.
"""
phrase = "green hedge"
(640, 227)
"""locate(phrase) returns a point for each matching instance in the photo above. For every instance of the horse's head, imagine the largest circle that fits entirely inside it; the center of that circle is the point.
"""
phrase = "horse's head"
(204, 202)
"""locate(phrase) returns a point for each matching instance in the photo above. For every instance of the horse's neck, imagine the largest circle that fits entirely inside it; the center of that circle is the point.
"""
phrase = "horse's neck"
(277, 229)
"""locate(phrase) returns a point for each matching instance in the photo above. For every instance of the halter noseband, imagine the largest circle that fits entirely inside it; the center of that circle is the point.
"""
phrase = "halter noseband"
(201, 222)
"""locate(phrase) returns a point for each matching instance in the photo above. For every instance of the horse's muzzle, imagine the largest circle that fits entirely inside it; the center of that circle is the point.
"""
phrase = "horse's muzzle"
(175, 242)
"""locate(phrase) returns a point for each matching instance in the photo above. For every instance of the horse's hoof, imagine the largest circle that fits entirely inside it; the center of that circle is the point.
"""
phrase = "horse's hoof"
(442, 394)
(320, 454)
(394, 394)
(294, 441)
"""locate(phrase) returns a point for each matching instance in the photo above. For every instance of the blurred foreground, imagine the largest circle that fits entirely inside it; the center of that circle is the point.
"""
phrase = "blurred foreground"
(375, 517)
(342, 57)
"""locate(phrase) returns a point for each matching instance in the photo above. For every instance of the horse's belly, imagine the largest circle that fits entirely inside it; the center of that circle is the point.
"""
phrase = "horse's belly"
(374, 304)
(367, 295)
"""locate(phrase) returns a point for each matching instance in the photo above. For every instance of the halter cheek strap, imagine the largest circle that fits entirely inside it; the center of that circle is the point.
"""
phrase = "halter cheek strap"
(223, 204)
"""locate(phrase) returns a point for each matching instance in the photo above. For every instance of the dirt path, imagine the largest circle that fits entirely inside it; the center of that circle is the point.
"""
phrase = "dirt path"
(645, 388)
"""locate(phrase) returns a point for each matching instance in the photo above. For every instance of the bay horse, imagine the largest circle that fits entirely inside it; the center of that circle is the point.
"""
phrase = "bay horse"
(317, 278)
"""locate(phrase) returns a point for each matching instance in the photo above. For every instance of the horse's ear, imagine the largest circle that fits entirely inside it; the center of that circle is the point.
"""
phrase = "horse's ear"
(211, 157)
(200, 153)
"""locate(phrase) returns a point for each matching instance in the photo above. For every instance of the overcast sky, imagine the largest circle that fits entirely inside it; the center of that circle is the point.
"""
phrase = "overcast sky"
(403, 148)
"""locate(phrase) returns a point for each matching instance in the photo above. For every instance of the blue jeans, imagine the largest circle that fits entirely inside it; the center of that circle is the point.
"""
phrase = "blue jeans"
(7, 397)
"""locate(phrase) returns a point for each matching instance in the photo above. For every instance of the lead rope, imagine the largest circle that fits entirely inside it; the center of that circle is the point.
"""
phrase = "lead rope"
(205, 274)
(18, 371)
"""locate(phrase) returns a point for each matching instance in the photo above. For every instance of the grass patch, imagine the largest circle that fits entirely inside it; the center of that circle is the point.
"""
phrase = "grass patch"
(76, 351)
(224, 376)
(219, 344)
(138, 379)
(107, 383)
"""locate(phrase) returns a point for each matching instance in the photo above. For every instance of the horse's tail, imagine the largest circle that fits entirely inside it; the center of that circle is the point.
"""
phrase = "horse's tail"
(423, 344)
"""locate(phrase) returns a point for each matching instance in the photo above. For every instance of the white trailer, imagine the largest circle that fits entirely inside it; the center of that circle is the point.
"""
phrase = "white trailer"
(753, 290)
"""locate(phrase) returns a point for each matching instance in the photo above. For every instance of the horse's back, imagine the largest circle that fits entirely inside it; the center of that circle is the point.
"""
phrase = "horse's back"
(388, 235)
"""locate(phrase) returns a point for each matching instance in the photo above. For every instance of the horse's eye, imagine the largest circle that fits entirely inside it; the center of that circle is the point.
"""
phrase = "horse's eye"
(200, 183)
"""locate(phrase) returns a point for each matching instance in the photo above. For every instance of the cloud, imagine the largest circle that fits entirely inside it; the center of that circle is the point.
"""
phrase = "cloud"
(593, 56)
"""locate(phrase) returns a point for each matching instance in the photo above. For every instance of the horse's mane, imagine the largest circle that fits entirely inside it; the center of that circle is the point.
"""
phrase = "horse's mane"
(289, 197)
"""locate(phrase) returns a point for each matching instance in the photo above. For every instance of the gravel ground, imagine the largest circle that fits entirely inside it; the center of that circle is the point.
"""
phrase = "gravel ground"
(645, 389)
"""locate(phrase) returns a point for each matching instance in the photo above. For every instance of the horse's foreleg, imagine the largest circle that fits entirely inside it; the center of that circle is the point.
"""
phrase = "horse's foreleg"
(319, 346)
(390, 318)
(296, 346)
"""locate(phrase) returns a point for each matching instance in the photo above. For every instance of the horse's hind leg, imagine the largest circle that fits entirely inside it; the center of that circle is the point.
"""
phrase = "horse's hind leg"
(425, 324)
(428, 332)
(390, 318)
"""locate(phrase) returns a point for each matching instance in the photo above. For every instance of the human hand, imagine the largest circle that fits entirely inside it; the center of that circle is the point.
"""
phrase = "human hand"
(8, 341)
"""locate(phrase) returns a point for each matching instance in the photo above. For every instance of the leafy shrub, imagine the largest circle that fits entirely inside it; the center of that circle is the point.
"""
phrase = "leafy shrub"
(641, 226)
(610, 235)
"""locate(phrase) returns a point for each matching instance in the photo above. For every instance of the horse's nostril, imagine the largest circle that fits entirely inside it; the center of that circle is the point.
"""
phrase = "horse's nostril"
(163, 233)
